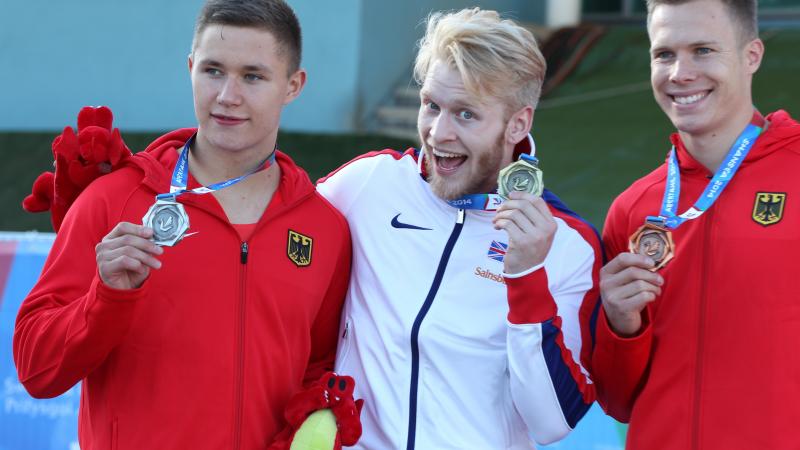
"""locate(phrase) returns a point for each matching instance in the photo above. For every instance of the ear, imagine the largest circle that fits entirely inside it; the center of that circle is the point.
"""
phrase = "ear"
(296, 82)
(753, 55)
(519, 125)
(190, 63)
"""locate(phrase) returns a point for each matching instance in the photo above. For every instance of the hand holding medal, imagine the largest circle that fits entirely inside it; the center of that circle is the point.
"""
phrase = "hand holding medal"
(629, 282)
(524, 215)
(126, 255)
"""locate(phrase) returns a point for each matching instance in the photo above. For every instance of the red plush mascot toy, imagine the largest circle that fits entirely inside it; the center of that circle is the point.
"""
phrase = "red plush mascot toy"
(309, 412)
(79, 158)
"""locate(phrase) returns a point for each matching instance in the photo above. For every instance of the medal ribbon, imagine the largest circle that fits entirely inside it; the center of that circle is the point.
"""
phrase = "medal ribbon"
(669, 205)
(180, 175)
(486, 202)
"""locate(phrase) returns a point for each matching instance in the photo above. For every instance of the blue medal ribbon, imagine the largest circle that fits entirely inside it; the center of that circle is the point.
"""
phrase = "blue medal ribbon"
(180, 175)
(485, 202)
(669, 205)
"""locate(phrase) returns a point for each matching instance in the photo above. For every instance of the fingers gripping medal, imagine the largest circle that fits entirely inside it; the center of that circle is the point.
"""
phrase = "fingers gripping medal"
(169, 222)
(523, 175)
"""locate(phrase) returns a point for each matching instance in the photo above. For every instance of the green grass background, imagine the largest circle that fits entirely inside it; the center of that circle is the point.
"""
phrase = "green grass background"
(590, 149)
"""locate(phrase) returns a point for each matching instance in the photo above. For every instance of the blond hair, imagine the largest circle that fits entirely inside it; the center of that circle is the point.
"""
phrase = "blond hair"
(494, 56)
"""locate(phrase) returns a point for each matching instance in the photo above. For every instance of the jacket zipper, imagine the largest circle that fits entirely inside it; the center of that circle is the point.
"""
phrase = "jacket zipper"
(701, 316)
(426, 306)
(239, 377)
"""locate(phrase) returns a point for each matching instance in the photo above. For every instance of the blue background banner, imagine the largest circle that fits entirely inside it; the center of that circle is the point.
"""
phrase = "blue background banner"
(27, 423)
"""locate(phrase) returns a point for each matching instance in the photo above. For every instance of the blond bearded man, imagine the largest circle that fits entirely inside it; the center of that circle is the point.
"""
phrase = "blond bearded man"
(462, 326)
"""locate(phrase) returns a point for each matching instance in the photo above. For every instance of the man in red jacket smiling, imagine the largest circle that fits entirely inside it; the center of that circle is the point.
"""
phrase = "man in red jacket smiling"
(700, 314)
(194, 329)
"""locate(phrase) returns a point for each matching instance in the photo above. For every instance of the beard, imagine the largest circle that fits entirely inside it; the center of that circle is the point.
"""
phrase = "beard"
(476, 176)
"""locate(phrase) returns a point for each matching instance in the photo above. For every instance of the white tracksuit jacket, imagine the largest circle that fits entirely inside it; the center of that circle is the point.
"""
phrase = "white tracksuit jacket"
(446, 350)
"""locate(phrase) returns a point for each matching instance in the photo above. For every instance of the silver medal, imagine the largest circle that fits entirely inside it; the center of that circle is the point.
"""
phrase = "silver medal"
(169, 222)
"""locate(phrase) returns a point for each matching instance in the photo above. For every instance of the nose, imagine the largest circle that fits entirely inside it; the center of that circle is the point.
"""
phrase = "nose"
(230, 94)
(683, 70)
(442, 129)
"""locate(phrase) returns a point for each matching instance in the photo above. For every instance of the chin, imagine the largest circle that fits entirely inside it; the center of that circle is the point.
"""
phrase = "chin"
(447, 190)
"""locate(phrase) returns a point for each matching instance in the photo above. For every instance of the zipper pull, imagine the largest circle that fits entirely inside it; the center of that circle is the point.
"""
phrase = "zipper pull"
(460, 218)
(346, 329)
(243, 253)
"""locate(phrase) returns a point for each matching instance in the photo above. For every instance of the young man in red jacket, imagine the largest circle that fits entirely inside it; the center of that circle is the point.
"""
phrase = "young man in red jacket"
(700, 313)
(191, 319)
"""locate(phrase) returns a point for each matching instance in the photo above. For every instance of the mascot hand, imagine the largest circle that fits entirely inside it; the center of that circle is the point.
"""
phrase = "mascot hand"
(79, 158)
(323, 417)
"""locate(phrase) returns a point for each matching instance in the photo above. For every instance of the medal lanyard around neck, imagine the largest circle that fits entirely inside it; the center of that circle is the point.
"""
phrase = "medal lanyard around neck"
(180, 175)
(669, 205)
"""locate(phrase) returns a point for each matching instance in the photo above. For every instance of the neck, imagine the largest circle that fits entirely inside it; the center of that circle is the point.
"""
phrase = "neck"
(709, 149)
(209, 164)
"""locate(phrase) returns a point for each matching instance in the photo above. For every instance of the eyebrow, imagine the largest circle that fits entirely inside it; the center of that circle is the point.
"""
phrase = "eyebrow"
(247, 67)
(691, 44)
(457, 103)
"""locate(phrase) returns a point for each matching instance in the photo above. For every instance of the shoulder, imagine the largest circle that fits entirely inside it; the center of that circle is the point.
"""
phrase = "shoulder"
(370, 161)
(577, 229)
(325, 212)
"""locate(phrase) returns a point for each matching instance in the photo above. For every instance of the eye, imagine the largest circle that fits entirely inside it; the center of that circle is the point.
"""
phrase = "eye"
(213, 71)
(431, 105)
(662, 55)
(466, 114)
(703, 51)
(253, 77)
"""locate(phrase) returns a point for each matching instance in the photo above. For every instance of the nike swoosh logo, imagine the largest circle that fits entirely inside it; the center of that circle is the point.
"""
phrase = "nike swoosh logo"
(397, 224)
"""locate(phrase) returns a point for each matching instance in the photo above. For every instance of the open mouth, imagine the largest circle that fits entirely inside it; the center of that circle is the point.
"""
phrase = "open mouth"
(689, 99)
(447, 163)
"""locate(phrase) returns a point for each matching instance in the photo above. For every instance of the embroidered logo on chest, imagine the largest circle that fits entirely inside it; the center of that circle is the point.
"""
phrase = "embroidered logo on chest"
(768, 207)
(298, 248)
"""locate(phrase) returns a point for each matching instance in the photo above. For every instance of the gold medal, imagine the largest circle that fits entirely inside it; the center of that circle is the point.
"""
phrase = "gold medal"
(169, 222)
(522, 175)
(653, 241)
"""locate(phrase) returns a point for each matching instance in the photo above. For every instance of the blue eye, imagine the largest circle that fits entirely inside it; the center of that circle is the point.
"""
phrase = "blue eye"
(466, 114)
(214, 72)
(703, 51)
(663, 55)
(253, 77)
(433, 106)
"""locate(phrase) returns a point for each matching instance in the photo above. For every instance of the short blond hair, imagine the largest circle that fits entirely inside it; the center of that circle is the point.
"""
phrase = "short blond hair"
(494, 56)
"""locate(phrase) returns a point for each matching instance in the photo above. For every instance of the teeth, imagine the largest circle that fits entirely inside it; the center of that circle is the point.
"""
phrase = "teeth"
(690, 99)
(442, 154)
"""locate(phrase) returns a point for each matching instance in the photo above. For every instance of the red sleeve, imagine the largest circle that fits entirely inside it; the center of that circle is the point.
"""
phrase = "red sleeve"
(619, 365)
(325, 328)
(71, 321)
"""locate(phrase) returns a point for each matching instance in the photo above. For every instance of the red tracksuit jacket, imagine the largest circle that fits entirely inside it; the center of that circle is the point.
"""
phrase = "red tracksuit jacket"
(209, 350)
(716, 365)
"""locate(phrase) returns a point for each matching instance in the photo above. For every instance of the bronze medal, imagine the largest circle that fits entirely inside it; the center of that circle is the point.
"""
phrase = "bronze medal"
(169, 222)
(653, 241)
(523, 176)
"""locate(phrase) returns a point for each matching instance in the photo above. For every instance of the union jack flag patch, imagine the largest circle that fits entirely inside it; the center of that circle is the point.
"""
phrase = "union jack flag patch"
(497, 251)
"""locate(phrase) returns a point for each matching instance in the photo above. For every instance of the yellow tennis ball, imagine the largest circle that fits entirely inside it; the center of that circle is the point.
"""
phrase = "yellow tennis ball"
(318, 432)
